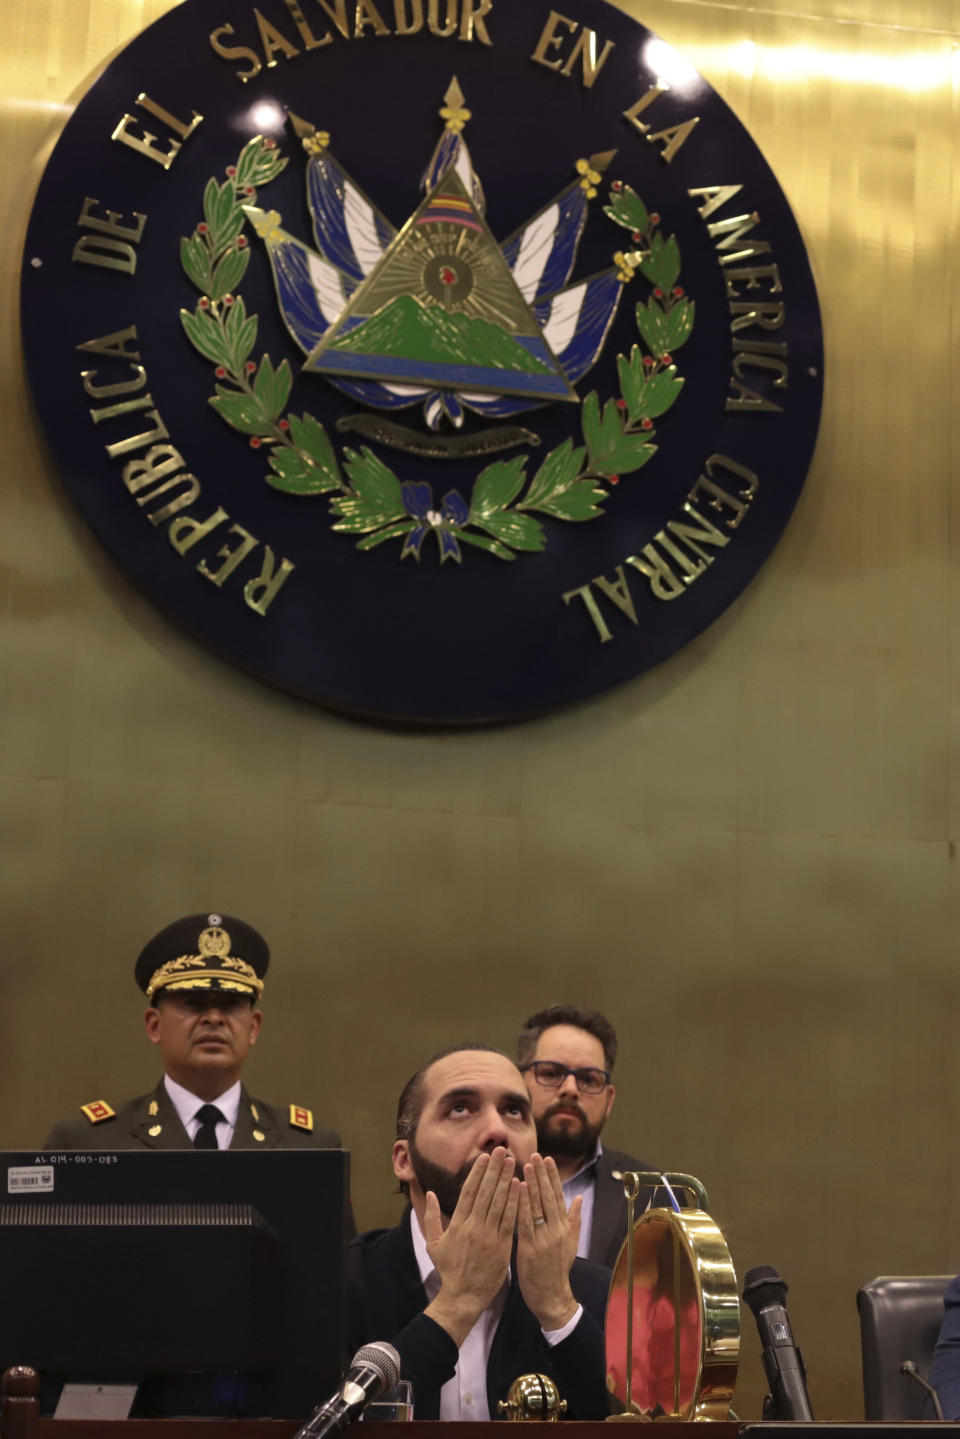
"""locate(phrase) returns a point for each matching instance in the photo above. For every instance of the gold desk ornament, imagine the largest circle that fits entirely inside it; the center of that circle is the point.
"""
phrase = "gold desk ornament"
(673, 1313)
(532, 1396)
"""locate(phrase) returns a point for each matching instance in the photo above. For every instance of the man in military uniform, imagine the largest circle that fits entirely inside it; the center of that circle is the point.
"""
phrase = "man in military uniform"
(203, 978)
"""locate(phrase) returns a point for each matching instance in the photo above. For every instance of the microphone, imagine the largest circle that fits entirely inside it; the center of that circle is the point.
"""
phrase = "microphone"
(766, 1294)
(912, 1372)
(373, 1369)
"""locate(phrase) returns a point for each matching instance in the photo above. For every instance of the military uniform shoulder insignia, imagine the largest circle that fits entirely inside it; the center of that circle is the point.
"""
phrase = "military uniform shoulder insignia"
(98, 1110)
(301, 1118)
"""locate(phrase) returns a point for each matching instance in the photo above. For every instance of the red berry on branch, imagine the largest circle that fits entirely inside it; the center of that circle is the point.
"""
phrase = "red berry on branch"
(636, 237)
(204, 303)
(242, 242)
(231, 170)
(228, 300)
(678, 292)
(249, 367)
(658, 292)
(269, 144)
(249, 190)
(255, 442)
(654, 218)
(647, 361)
(647, 425)
(667, 359)
(614, 479)
(220, 372)
(284, 424)
(617, 186)
(201, 228)
(621, 404)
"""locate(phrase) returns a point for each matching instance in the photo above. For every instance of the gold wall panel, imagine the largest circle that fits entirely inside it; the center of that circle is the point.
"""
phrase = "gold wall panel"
(747, 856)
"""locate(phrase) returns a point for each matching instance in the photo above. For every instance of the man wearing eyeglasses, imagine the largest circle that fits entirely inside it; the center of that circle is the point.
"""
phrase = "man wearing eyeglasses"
(566, 1056)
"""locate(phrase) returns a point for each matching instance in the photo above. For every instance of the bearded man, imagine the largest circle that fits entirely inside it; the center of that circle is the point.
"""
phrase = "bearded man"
(480, 1282)
(566, 1056)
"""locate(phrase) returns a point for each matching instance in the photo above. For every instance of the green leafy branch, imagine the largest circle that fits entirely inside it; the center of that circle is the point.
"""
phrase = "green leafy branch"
(251, 395)
(621, 439)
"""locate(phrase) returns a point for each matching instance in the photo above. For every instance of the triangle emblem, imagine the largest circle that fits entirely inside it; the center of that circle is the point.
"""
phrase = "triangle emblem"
(442, 308)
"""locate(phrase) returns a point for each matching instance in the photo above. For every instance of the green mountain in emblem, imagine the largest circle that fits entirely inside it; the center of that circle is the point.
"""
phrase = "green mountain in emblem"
(411, 331)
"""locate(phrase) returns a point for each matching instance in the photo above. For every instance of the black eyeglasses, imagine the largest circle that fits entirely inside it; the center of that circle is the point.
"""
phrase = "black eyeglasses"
(551, 1075)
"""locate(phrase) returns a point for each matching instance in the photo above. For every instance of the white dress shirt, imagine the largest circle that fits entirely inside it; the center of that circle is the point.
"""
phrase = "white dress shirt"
(584, 1183)
(465, 1395)
(187, 1104)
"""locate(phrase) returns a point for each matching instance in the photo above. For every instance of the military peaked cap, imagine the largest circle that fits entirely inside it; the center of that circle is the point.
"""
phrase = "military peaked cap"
(204, 951)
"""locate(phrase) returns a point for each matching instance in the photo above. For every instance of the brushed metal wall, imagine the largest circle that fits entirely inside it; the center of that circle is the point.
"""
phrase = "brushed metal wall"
(746, 856)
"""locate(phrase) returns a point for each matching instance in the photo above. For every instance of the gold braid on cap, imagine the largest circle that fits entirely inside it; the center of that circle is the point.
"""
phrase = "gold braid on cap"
(192, 971)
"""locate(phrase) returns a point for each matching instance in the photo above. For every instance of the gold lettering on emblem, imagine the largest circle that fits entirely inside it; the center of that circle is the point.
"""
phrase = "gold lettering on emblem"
(186, 532)
(337, 12)
(110, 412)
(112, 245)
(653, 92)
(231, 557)
(664, 584)
(309, 39)
(679, 553)
(719, 497)
(114, 345)
(407, 17)
(260, 593)
(731, 232)
(585, 49)
(121, 387)
(751, 312)
(752, 360)
(146, 143)
(235, 52)
(713, 196)
(616, 590)
(369, 17)
(135, 442)
(149, 473)
(700, 532)
(671, 138)
(448, 26)
(471, 20)
(274, 42)
(585, 593)
(750, 276)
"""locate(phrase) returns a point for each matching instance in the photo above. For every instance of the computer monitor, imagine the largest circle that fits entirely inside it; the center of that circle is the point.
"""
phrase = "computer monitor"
(215, 1280)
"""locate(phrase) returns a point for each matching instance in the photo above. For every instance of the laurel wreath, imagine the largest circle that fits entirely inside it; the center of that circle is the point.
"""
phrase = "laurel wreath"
(572, 482)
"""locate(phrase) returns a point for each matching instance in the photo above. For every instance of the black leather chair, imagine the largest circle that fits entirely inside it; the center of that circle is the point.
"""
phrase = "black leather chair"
(900, 1318)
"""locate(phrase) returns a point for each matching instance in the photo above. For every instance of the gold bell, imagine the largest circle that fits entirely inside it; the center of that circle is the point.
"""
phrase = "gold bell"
(532, 1396)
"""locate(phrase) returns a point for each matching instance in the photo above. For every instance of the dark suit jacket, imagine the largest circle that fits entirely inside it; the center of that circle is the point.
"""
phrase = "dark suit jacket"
(945, 1369)
(130, 1128)
(610, 1208)
(386, 1300)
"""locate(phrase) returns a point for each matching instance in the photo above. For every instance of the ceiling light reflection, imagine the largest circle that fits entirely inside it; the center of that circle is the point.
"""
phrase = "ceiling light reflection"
(913, 73)
(267, 115)
(670, 66)
(38, 107)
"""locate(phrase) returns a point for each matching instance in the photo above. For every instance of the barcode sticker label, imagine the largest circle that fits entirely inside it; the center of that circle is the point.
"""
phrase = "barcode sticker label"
(36, 1177)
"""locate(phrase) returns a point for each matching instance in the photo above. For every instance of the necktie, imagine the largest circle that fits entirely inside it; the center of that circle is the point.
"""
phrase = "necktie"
(209, 1117)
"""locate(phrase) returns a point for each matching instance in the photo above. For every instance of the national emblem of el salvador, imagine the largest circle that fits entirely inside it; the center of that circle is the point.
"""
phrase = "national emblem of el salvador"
(437, 359)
